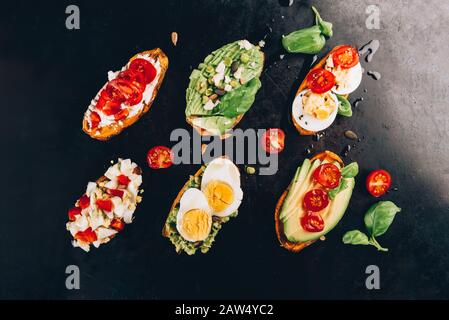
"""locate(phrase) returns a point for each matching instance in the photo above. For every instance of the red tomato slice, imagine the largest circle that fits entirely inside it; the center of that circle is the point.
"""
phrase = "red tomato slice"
(117, 224)
(111, 108)
(136, 78)
(315, 200)
(320, 80)
(312, 222)
(94, 120)
(105, 205)
(328, 175)
(86, 236)
(84, 201)
(123, 180)
(144, 67)
(73, 212)
(123, 114)
(346, 57)
(115, 192)
(273, 140)
(378, 182)
(159, 157)
(113, 91)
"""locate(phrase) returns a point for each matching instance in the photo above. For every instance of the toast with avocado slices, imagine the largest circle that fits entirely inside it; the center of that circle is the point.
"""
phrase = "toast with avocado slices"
(223, 88)
(315, 200)
(207, 200)
(128, 94)
(325, 90)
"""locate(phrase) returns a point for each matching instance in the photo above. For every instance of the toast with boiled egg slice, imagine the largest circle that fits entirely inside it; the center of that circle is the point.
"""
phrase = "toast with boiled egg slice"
(208, 200)
(324, 92)
(128, 94)
(315, 200)
(106, 206)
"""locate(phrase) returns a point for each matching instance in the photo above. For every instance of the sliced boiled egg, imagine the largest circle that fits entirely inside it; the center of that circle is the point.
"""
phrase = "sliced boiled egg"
(194, 220)
(221, 186)
(313, 111)
(346, 80)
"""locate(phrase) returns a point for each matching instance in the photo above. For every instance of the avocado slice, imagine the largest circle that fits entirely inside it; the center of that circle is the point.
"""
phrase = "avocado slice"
(292, 203)
(298, 179)
(331, 216)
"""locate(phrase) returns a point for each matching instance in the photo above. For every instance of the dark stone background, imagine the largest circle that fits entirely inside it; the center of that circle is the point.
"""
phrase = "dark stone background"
(49, 75)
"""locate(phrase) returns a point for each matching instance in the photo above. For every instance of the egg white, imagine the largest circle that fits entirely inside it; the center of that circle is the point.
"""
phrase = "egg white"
(224, 170)
(307, 121)
(354, 79)
(191, 199)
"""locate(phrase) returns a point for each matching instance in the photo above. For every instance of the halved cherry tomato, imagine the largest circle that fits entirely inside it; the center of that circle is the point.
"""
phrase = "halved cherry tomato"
(312, 222)
(113, 91)
(378, 182)
(117, 224)
(73, 212)
(273, 140)
(134, 77)
(346, 57)
(115, 192)
(123, 114)
(111, 108)
(320, 80)
(86, 236)
(316, 200)
(328, 175)
(123, 180)
(105, 205)
(144, 67)
(94, 120)
(84, 201)
(159, 157)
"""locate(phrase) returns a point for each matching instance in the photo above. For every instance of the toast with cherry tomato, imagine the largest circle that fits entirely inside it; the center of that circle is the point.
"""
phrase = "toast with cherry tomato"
(128, 94)
(315, 200)
(324, 92)
(106, 206)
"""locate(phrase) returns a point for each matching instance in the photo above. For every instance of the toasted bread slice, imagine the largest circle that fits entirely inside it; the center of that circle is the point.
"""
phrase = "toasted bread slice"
(303, 86)
(289, 245)
(106, 132)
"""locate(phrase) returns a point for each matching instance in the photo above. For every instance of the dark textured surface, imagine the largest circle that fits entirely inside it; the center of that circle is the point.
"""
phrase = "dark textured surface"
(49, 75)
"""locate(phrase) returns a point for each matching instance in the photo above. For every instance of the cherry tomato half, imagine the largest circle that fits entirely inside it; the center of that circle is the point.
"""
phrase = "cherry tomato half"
(378, 182)
(105, 205)
(312, 222)
(73, 212)
(316, 200)
(123, 180)
(123, 91)
(273, 140)
(328, 175)
(86, 236)
(144, 67)
(115, 192)
(346, 57)
(159, 157)
(94, 120)
(117, 224)
(136, 78)
(84, 201)
(320, 80)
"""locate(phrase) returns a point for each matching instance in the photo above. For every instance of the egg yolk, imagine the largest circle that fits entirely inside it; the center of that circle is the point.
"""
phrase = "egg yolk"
(320, 106)
(219, 195)
(196, 224)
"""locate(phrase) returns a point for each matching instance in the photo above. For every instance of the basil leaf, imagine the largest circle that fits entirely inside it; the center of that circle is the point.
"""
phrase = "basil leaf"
(239, 101)
(344, 108)
(325, 27)
(342, 186)
(350, 171)
(356, 237)
(379, 217)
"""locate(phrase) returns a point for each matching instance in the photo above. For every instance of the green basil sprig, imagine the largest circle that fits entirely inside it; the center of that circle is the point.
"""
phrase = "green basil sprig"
(344, 106)
(350, 171)
(309, 40)
(377, 220)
